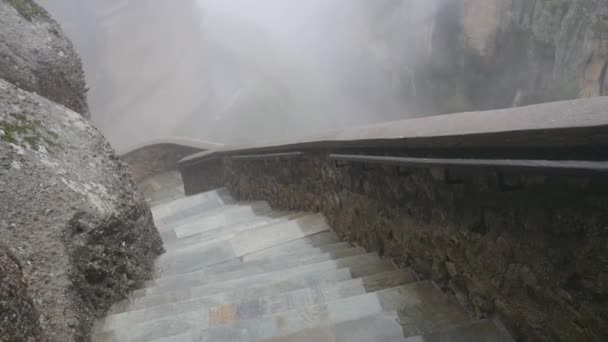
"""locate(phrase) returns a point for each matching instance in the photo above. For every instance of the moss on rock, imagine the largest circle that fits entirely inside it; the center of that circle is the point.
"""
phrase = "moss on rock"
(28, 9)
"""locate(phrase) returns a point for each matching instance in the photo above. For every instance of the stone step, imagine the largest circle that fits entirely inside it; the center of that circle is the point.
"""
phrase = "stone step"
(226, 216)
(226, 232)
(173, 243)
(166, 210)
(203, 278)
(298, 281)
(191, 216)
(421, 308)
(382, 327)
(359, 266)
(302, 253)
(227, 272)
(480, 331)
(296, 246)
(254, 309)
(241, 244)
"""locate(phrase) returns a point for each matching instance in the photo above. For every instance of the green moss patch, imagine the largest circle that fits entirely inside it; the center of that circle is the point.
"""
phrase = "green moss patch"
(28, 9)
(23, 131)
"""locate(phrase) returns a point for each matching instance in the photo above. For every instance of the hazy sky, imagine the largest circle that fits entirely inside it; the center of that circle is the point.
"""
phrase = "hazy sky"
(237, 71)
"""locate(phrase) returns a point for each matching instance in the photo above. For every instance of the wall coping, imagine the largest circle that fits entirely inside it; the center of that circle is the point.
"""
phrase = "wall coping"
(581, 122)
(178, 141)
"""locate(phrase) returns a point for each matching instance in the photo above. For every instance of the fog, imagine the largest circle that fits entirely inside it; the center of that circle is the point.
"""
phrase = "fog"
(246, 71)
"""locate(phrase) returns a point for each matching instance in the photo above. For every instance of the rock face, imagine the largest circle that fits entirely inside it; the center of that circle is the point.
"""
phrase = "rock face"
(487, 54)
(36, 56)
(71, 213)
(18, 316)
(78, 234)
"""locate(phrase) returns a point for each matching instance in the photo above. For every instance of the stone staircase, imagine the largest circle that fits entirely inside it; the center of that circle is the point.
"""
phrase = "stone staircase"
(244, 272)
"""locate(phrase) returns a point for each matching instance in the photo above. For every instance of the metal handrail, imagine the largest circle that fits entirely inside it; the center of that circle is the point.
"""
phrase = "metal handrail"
(558, 165)
(286, 155)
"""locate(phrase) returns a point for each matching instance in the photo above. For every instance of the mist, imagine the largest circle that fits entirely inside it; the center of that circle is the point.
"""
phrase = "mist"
(247, 71)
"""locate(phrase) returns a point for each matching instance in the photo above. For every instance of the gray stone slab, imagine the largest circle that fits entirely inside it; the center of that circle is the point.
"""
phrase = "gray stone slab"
(227, 232)
(409, 298)
(243, 310)
(229, 216)
(204, 237)
(297, 282)
(165, 210)
(294, 247)
(383, 327)
(249, 241)
(227, 272)
(263, 238)
(200, 278)
(368, 262)
(212, 254)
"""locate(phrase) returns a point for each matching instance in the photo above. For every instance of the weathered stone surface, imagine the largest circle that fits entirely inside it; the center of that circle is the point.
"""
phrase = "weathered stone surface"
(36, 55)
(155, 159)
(70, 212)
(494, 54)
(534, 253)
(18, 316)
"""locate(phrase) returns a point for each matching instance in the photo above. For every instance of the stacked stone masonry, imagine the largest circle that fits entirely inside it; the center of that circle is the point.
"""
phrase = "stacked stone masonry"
(530, 248)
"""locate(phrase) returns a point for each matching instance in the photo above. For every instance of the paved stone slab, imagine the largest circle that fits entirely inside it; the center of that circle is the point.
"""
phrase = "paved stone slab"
(235, 270)
(163, 211)
(225, 217)
(421, 300)
(242, 243)
(226, 232)
(260, 239)
(305, 280)
(381, 327)
(361, 265)
(255, 308)
(250, 309)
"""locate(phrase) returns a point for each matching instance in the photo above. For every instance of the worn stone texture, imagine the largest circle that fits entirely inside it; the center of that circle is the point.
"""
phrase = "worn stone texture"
(486, 54)
(18, 316)
(156, 159)
(36, 55)
(70, 213)
(530, 248)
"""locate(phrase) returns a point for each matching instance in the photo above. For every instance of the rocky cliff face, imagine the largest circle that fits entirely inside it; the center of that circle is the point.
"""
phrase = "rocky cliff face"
(36, 56)
(486, 54)
(78, 232)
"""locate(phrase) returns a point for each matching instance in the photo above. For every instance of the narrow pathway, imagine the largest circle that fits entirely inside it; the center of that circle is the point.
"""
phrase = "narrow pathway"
(244, 272)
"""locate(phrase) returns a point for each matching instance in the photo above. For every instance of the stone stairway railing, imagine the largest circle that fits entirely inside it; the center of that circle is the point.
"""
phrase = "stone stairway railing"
(496, 207)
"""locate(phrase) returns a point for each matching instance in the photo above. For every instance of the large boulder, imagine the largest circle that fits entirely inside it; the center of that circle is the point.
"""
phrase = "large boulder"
(70, 212)
(36, 55)
(18, 315)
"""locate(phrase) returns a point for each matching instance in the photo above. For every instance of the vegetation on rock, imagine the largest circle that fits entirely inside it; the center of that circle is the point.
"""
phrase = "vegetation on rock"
(28, 9)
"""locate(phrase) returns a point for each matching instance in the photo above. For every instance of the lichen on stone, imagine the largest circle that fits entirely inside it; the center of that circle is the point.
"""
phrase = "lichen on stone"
(22, 131)
(28, 9)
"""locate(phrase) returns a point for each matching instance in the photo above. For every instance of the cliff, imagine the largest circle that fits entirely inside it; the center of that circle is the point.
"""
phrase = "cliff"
(486, 54)
(79, 235)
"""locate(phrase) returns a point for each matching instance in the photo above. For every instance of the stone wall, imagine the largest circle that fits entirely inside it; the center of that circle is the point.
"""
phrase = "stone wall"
(204, 176)
(530, 248)
(155, 159)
